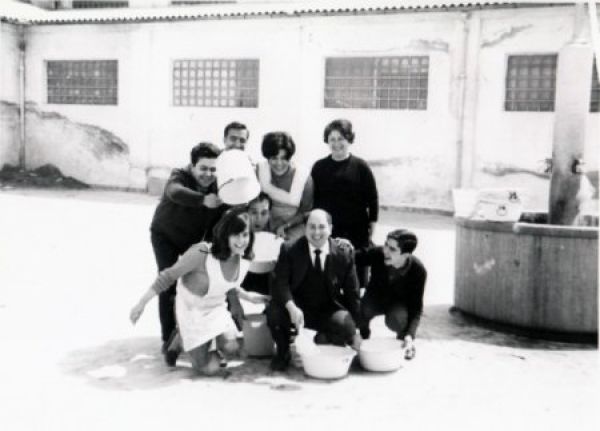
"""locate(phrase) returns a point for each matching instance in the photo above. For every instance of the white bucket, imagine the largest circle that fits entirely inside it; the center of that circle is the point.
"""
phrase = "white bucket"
(236, 179)
(266, 251)
(257, 336)
(381, 354)
(331, 362)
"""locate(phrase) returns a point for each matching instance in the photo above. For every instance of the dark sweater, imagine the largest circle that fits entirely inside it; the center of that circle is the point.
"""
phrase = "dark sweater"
(404, 286)
(347, 190)
(181, 215)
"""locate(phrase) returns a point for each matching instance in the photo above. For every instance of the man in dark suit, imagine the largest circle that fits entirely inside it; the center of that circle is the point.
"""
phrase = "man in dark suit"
(315, 286)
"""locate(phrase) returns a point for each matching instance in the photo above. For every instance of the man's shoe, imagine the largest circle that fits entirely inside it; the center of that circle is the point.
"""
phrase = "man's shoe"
(171, 357)
(410, 353)
(281, 362)
(171, 349)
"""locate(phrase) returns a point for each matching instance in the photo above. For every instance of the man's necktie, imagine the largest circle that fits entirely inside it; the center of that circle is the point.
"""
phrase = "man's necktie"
(318, 266)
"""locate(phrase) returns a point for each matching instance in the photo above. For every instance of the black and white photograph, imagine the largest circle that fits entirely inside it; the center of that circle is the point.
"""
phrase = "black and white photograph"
(299, 214)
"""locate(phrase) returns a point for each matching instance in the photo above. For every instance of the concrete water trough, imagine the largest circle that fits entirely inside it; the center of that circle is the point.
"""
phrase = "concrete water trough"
(532, 277)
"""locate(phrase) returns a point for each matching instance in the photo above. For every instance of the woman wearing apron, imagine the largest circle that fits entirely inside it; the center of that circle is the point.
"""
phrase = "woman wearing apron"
(290, 187)
(208, 275)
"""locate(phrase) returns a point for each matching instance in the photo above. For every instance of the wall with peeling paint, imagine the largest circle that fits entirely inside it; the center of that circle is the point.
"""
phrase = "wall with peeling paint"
(414, 154)
(511, 146)
(9, 94)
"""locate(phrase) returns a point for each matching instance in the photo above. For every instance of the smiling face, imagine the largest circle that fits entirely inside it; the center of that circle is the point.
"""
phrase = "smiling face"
(239, 242)
(204, 171)
(338, 145)
(280, 163)
(236, 139)
(393, 255)
(259, 215)
(318, 228)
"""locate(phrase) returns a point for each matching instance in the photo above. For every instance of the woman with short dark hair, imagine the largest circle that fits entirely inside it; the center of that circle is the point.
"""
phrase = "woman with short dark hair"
(289, 186)
(208, 276)
(345, 187)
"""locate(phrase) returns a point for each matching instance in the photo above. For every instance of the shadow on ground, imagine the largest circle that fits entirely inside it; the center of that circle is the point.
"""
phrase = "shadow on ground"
(137, 364)
(441, 322)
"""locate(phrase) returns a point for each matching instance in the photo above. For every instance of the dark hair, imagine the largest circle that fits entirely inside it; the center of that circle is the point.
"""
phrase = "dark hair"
(204, 150)
(342, 126)
(407, 241)
(232, 223)
(262, 196)
(274, 142)
(236, 126)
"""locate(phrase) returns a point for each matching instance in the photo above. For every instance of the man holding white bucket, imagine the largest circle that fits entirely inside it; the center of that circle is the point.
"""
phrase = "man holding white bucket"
(235, 136)
(315, 286)
(186, 214)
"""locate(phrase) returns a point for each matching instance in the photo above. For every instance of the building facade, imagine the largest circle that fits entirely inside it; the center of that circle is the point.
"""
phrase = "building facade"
(441, 97)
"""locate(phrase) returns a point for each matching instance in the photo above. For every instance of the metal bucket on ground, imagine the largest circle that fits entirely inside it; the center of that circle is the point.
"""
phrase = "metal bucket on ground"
(257, 336)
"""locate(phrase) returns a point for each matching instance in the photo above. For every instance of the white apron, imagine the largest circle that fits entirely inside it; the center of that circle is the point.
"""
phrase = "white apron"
(202, 318)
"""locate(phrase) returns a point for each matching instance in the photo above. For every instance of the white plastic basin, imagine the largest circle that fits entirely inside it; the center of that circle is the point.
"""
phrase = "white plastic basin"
(381, 354)
(329, 362)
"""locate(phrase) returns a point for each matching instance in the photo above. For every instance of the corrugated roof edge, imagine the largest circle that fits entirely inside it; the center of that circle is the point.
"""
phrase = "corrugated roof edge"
(112, 16)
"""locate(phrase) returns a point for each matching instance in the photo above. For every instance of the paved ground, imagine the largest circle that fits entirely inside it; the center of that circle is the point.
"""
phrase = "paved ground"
(74, 262)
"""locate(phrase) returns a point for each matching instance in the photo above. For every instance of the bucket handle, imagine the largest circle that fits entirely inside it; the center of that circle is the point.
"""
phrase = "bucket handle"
(225, 183)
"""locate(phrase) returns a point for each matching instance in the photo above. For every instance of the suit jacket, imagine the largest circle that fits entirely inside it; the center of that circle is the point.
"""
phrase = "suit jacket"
(340, 274)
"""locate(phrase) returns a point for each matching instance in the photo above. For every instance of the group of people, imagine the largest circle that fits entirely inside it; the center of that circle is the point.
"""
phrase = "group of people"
(325, 217)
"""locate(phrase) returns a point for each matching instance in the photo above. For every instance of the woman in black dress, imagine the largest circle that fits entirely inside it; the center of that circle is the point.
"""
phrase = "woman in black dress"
(345, 187)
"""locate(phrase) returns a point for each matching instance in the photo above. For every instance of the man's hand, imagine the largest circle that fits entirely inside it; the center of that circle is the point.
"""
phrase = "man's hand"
(212, 201)
(296, 314)
(281, 231)
(343, 242)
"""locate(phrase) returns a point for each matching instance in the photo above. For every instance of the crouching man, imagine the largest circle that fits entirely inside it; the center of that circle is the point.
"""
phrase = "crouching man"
(315, 286)
(396, 287)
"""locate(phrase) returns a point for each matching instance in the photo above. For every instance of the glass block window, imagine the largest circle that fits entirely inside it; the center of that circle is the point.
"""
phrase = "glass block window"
(377, 82)
(216, 83)
(595, 99)
(196, 2)
(530, 82)
(89, 4)
(85, 82)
